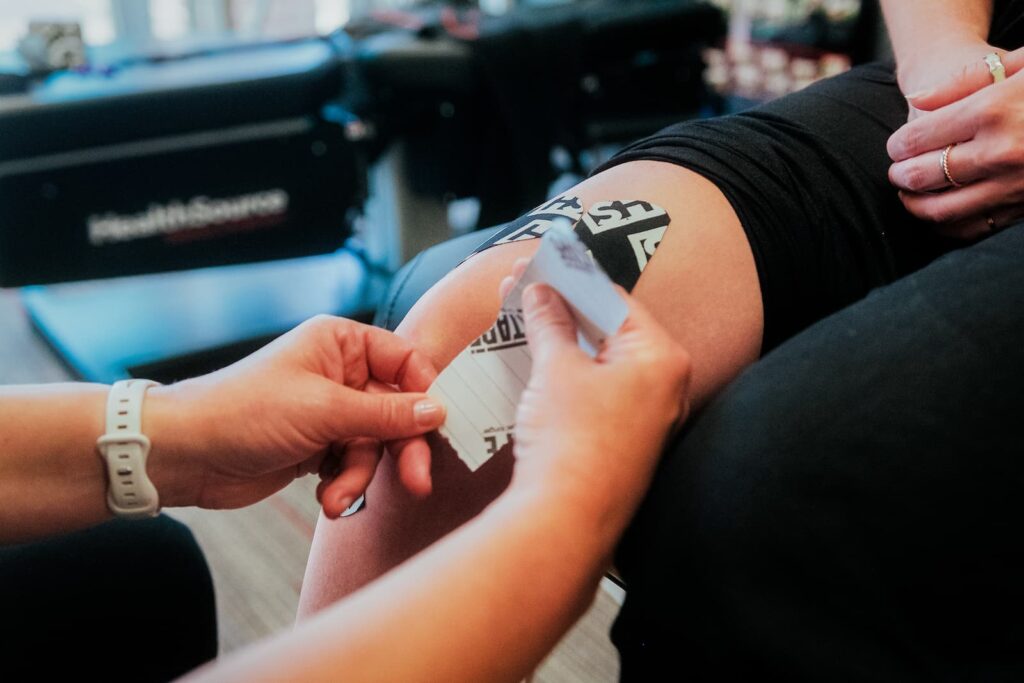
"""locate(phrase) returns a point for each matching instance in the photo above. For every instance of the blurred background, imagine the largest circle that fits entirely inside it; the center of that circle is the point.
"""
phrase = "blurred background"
(183, 180)
(148, 136)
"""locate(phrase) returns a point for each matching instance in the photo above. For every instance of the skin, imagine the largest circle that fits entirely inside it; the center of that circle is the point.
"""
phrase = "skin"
(701, 286)
(988, 161)
(503, 596)
(934, 40)
(488, 602)
(231, 438)
(940, 46)
(221, 441)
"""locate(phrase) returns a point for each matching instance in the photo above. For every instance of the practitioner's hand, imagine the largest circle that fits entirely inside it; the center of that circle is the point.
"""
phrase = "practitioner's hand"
(986, 122)
(233, 437)
(593, 429)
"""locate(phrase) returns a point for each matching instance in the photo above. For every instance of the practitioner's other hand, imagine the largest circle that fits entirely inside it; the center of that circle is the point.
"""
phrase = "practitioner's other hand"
(233, 437)
(592, 429)
(985, 122)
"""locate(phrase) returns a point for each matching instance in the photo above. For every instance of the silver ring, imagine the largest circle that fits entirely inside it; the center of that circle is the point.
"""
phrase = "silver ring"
(995, 67)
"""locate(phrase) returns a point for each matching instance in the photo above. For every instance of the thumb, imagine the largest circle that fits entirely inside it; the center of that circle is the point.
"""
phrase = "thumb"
(550, 328)
(386, 416)
(971, 78)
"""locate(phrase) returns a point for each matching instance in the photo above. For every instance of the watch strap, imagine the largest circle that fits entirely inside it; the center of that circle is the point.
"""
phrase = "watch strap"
(130, 493)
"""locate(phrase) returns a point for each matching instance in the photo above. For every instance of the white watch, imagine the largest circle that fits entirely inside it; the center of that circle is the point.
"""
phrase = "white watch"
(130, 493)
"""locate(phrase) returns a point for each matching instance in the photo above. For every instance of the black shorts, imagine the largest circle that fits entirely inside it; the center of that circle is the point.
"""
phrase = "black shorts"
(808, 178)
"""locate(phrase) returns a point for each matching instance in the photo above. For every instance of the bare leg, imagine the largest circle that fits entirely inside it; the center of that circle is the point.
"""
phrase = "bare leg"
(702, 285)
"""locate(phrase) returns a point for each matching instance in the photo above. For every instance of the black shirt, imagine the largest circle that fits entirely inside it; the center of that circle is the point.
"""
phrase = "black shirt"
(1008, 24)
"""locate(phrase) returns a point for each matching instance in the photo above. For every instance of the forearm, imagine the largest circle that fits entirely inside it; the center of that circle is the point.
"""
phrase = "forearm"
(926, 30)
(485, 604)
(52, 479)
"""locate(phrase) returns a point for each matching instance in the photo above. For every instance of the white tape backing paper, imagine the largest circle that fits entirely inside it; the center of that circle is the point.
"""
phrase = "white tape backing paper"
(482, 386)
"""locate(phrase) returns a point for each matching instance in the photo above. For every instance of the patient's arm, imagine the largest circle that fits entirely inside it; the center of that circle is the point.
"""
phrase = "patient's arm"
(701, 285)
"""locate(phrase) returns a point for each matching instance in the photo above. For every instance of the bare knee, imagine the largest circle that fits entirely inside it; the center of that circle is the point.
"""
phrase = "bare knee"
(701, 284)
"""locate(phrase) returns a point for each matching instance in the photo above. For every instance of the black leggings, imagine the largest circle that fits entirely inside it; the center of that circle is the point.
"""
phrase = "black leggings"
(851, 507)
(807, 177)
(124, 601)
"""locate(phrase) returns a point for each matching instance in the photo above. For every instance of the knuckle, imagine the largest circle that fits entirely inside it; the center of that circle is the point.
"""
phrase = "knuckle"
(987, 115)
(651, 365)
(321, 320)
(316, 325)
(649, 360)
(998, 157)
(669, 366)
(389, 413)
(1012, 150)
(907, 145)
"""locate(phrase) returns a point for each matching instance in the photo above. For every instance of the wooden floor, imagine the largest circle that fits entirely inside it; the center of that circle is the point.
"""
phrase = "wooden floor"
(258, 554)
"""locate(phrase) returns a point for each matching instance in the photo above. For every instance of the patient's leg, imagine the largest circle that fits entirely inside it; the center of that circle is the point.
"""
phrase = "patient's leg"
(702, 285)
(808, 174)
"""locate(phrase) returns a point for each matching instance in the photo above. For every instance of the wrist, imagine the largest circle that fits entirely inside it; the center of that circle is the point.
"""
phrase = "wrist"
(176, 434)
(592, 506)
(580, 525)
(924, 69)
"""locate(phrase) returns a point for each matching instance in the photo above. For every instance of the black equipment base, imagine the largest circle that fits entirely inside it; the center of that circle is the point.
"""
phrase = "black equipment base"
(177, 325)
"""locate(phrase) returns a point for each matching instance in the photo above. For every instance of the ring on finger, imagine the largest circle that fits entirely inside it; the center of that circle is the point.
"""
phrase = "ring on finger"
(995, 67)
(945, 166)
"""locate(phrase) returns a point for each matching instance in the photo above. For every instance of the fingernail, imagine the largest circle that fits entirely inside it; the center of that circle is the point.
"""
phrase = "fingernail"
(919, 94)
(428, 412)
(344, 503)
(536, 296)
